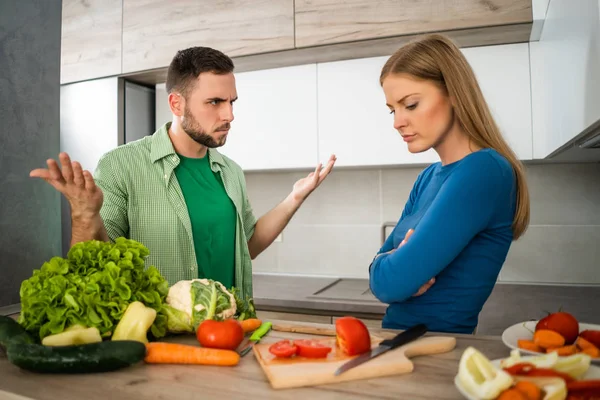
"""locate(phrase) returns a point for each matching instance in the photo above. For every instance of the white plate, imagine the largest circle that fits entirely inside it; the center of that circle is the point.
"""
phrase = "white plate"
(592, 373)
(523, 330)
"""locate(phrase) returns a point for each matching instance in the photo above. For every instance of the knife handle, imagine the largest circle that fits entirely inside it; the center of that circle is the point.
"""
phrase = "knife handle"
(261, 331)
(405, 337)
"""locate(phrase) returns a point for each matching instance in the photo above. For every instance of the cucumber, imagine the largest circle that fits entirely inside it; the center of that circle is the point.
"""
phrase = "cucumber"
(12, 331)
(76, 359)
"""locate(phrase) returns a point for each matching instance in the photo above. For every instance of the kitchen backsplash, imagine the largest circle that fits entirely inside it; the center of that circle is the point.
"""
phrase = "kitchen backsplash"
(338, 229)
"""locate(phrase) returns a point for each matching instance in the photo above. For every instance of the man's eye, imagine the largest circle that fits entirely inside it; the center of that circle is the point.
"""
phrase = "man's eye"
(214, 102)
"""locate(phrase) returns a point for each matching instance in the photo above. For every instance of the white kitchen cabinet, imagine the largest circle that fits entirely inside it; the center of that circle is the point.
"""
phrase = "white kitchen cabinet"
(503, 75)
(275, 125)
(355, 124)
(565, 71)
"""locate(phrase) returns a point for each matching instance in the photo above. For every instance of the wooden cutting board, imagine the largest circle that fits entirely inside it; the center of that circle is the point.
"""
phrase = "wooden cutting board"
(299, 371)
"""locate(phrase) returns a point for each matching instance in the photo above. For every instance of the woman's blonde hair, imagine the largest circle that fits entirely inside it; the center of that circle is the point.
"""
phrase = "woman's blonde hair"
(436, 58)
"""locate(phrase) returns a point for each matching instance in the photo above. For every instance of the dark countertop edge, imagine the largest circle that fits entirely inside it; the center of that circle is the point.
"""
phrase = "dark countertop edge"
(11, 309)
(320, 307)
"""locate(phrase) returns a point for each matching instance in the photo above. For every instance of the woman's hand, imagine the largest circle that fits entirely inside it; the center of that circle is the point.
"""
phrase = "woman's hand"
(425, 287)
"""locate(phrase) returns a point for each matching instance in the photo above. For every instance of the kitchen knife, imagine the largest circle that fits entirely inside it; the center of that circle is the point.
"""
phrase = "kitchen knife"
(255, 338)
(400, 339)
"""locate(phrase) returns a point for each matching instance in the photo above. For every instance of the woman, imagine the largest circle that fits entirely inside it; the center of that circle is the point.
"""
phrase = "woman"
(440, 264)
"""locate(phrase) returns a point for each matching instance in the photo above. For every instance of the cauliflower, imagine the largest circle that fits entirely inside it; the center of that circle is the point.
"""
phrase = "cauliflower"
(190, 302)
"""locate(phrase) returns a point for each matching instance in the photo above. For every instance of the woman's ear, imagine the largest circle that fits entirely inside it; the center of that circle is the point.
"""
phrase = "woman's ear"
(176, 104)
(452, 101)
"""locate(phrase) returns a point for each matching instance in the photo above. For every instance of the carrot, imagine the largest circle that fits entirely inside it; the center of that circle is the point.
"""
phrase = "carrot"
(512, 394)
(529, 345)
(251, 324)
(564, 350)
(546, 338)
(593, 352)
(529, 389)
(174, 353)
(584, 344)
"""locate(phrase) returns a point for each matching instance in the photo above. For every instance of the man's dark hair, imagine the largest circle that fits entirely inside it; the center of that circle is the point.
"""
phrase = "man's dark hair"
(188, 64)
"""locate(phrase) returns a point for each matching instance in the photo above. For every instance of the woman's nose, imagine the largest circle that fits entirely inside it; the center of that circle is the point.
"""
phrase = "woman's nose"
(399, 121)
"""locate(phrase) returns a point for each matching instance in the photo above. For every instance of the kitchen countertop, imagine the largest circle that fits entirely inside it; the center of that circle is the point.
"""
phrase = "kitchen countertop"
(432, 378)
(316, 295)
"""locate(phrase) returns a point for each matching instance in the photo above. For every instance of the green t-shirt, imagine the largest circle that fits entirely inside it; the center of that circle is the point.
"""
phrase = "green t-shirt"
(212, 215)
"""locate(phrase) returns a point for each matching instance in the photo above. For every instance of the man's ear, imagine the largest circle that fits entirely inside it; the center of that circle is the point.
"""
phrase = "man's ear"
(176, 104)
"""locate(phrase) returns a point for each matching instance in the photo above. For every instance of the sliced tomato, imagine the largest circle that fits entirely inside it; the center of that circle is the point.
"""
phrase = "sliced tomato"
(311, 348)
(352, 336)
(283, 348)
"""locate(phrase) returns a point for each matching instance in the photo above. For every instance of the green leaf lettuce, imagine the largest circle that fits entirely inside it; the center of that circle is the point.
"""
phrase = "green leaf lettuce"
(92, 287)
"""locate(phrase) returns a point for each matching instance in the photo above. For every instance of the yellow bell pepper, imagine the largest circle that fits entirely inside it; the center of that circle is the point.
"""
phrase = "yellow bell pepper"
(135, 323)
(75, 334)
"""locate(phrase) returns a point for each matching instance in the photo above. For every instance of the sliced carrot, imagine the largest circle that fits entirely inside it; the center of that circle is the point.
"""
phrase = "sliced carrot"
(174, 353)
(583, 343)
(529, 345)
(252, 324)
(546, 338)
(564, 350)
(512, 394)
(551, 349)
(593, 352)
(530, 389)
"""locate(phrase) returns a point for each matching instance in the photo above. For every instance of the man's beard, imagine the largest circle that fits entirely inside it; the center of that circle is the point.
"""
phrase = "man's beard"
(198, 134)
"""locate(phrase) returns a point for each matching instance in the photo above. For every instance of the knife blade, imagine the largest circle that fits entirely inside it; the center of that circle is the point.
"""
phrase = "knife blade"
(400, 339)
(264, 328)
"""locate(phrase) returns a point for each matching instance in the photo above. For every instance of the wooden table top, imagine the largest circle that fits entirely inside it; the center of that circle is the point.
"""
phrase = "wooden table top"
(432, 378)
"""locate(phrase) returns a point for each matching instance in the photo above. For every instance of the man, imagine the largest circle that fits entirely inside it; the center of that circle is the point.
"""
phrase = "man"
(174, 192)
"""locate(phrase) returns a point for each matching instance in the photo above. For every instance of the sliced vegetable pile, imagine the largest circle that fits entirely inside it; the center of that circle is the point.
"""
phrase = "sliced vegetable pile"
(547, 377)
(559, 332)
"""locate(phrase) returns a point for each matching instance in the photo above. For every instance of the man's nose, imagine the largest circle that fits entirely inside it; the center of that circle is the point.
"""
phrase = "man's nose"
(227, 114)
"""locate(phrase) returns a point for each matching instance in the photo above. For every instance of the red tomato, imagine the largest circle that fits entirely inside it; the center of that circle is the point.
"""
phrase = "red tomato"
(311, 348)
(352, 336)
(561, 322)
(226, 334)
(283, 348)
(591, 336)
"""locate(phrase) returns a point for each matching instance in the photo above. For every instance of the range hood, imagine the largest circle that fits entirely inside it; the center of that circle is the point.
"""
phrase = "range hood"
(585, 147)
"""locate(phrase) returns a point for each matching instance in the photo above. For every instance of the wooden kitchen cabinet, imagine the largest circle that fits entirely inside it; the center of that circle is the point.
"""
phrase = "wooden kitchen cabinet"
(275, 125)
(321, 22)
(355, 124)
(154, 30)
(91, 39)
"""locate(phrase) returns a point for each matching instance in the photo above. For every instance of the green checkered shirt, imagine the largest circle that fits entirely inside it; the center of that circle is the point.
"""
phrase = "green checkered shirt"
(143, 201)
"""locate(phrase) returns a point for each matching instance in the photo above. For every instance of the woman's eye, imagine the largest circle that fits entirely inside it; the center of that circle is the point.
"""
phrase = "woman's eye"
(412, 106)
(392, 111)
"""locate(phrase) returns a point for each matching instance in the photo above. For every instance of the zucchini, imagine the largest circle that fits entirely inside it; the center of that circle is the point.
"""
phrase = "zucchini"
(12, 331)
(84, 358)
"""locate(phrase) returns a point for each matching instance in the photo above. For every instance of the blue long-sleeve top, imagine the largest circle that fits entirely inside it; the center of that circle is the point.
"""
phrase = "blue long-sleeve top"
(462, 215)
